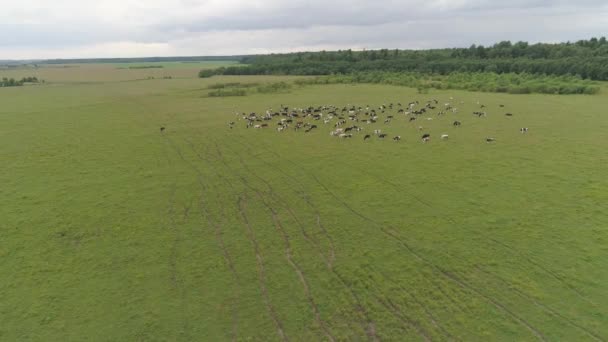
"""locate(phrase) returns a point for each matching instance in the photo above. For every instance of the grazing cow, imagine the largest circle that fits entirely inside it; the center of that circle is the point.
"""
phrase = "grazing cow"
(377, 131)
(367, 136)
(426, 137)
(382, 136)
(457, 123)
(489, 140)
(444, 137)
(509, 114)
(397, 138)
(501, 106)
(162, 129)
(523, 130)
(345, 135)
(412, 119)
(257, 126)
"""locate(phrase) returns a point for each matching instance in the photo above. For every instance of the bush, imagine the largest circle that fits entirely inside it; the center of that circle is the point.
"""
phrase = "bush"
(274, 88)
(228, 92)
(207, 73)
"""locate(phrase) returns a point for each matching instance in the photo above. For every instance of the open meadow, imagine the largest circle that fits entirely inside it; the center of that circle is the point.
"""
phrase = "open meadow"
(111, 230)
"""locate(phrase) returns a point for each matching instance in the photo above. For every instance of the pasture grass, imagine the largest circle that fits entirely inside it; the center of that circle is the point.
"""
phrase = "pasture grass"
(114, 231)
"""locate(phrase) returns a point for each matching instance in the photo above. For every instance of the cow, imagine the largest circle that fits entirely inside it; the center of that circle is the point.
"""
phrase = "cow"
(382, 136)
(397, 138)
(444, 137)
(523, 130)
(377, 131)
(489, 140)
(426, 137)
(367, 136)
(162, 129)
(457, 123)
(509, 114)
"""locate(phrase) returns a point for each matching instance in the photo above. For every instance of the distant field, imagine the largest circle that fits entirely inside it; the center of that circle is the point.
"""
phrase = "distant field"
(111, 72)
(114, 231)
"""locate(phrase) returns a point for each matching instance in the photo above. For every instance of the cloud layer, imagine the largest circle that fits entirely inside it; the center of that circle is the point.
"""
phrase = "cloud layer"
(129, 28)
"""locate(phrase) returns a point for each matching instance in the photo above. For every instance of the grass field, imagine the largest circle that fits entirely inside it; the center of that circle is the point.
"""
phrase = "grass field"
(111, 72)
(112, 231)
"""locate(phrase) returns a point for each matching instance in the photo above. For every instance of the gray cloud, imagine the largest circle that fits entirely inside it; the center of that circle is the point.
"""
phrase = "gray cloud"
(72, 28)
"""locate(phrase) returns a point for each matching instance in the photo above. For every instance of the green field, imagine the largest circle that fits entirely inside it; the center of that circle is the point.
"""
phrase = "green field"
(112, 231)
(111, 72)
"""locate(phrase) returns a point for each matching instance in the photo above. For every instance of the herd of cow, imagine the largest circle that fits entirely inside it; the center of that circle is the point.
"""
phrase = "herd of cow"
(310, 118)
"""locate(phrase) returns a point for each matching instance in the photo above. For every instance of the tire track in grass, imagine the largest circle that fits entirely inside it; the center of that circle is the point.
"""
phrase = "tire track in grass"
(429, 314)
(298, 270)
(546, 270)
(332, 249)
(543, 268)
(305, 195)
(405, 319)
(218, 228)
(551, 273)
(369, 327)
(331, 253)
(205, 214)
(442, 271)
(546, 308)
(242, 205)
(175, 282)
(513, 250)
(289, 257)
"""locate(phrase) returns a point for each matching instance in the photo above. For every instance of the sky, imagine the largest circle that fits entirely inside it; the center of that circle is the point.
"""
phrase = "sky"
(41, 29)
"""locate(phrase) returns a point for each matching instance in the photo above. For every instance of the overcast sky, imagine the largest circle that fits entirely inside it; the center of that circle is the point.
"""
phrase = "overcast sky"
(32, 29)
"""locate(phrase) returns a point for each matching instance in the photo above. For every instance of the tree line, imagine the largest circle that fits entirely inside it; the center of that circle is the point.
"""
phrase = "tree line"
(11, 82)
(485, 82)
(587, 59)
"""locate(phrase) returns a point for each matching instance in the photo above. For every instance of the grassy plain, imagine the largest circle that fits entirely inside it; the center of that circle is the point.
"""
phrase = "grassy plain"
(111, 72)
(112, 231)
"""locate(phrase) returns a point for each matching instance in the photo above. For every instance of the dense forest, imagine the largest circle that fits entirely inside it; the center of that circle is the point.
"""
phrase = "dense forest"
(587, 59)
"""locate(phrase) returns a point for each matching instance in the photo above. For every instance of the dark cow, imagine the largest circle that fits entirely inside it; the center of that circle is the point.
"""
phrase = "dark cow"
(457, 123)
(382, 136)
(509, 114)
(489, 140)
(397, 138)
(162, 129)
(367, 136)
(426, 137)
